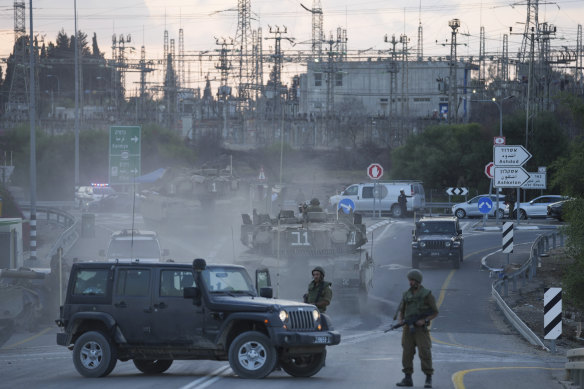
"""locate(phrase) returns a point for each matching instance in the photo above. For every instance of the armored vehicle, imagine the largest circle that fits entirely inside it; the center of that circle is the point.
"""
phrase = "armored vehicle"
(185, 194)
(155, 313)
(437, 239)
(313, 239)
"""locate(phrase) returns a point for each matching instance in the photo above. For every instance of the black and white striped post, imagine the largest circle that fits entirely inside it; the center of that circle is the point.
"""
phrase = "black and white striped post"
(508, 239)
(552, 315)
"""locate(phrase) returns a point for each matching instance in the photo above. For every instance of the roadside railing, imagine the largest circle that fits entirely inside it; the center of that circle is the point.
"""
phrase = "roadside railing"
(575, 367)
(541, 246)
(62, 218)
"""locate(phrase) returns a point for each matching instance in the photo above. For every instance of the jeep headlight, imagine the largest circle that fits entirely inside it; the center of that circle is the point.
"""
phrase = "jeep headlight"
(315, 315)
(422, 244)
(283, 316)
(447, 244)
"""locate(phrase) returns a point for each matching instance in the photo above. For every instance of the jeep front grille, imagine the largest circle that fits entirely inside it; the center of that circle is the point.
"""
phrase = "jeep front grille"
(301, 320)
(435, 244)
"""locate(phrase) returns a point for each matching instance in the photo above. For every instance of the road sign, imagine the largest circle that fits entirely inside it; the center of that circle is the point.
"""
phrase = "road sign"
(536, 181)
(375, 171)
(507, 238)
(510, 155)
(542, 169)
(124, 154)
(489, 169)
(346, 205)
(499, 140)
(509, 177)
(456, 191)
(485, 205)
(552, 313)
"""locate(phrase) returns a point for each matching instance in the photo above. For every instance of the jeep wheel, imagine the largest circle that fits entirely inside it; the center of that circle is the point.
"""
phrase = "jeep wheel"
(415, 263)
(456, 262)
(396, 211)
(94, 355)
(459, 213)
(152, 366)
(304, 366)
(252, 355)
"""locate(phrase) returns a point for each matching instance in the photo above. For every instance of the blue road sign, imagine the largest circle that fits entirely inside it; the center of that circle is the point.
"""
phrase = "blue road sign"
(485, 205)
(346, 205)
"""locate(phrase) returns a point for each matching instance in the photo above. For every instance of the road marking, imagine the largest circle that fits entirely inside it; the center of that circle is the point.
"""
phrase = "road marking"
(458, 377)
(207, 380)
(27, 339)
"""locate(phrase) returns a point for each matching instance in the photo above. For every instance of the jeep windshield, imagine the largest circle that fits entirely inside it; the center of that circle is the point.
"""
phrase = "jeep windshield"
(126, 248)
(426, 228)
(228, 280)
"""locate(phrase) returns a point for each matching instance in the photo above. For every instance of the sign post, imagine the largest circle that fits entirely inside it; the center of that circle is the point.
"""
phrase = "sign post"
(508, 173)
(124, 154)
(375, 171)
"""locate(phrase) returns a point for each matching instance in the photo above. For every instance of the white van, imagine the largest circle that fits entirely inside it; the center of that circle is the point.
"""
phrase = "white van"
(134, 246)
(382, 196)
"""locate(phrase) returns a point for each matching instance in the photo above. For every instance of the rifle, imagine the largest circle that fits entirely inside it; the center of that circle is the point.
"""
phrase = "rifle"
(409, 321)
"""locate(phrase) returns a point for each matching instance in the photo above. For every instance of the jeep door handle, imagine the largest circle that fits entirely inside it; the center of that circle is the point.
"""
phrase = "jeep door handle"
(121, 304)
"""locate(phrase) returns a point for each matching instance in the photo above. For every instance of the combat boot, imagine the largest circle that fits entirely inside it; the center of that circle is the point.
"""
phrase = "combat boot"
(428, 383)
(407, 381)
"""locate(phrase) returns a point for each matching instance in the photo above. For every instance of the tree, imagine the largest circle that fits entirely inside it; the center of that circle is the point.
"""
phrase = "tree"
(445, 156)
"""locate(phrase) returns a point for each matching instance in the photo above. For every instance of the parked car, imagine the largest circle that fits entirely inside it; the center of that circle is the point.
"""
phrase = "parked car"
(556, 210)
(470, 208)
(536, 207)
(382, 196)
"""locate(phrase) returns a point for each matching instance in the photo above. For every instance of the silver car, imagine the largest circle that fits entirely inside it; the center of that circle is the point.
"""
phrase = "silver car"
(536, 207)
(470, 208)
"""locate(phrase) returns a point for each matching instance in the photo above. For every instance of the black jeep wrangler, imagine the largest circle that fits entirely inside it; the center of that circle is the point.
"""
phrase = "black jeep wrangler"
(154, 313)
(437, 238)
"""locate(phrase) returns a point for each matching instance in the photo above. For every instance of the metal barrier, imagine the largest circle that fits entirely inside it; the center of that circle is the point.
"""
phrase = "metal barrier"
(54, 215)
(575, 367)
(526, 272)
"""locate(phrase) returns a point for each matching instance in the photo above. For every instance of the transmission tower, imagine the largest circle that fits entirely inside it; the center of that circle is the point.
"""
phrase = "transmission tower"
(579, 54)
(454, 24)
(18, 93)
(420, 47)
(243, 42)
(505, 60)
(531, 26)
(224, 66)
(276, 75)
(181, 58)
(317, 34)
(393, 70)
(482, 59)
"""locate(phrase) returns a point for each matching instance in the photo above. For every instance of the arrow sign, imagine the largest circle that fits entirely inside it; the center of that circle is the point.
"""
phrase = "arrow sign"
(457, 191)
(485, 205)
(346, 205)
(510, 155)
(509, 177)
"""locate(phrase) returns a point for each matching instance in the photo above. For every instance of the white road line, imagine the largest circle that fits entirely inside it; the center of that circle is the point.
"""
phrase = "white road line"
(210, 379)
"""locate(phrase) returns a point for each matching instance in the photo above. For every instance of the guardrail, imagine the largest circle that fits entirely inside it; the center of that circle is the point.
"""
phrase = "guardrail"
(63, 218)
(526, 272)
(575, 367)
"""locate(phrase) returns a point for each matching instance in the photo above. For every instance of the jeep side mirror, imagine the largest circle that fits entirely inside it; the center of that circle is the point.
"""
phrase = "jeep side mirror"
(194, 293)
(267, 292)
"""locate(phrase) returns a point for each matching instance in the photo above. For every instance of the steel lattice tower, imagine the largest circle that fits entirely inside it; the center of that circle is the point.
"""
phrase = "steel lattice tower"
(579, 59)
(505, 59)
(243, 43)
(18, 94)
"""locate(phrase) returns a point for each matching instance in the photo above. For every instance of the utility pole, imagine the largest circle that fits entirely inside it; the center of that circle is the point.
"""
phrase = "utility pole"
(405, 97)
(224, 66)
(393, 69)
(454, 24)
(32, 117)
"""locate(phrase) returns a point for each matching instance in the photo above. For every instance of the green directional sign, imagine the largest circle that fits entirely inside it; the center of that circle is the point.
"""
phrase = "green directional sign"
(124, 154)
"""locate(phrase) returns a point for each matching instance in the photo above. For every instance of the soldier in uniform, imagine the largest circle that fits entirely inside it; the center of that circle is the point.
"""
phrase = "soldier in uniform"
(319, 290)
(314, 206)
(417, 304)
(402, 201)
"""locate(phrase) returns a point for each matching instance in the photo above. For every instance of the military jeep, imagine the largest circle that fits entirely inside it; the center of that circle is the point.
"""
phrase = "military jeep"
(154, 313)
(437, 239)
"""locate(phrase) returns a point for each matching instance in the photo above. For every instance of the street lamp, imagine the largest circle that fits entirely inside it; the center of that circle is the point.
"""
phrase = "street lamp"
(500, 107)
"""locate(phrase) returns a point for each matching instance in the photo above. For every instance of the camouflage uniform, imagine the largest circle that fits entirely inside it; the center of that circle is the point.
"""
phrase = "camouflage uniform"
(414, 304)
(326, 294)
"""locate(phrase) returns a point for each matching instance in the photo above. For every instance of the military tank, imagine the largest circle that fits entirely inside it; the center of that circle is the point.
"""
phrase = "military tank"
(184, 194)
(312, 238)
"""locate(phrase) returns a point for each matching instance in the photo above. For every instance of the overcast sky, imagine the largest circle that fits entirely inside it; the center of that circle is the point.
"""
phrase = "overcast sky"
(366, 21)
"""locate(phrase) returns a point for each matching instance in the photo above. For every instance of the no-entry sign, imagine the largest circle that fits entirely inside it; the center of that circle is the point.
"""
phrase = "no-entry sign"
(375, 171)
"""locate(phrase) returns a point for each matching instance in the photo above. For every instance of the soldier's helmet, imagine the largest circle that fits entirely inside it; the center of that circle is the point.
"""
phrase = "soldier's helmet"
(415, 275)
(320, 269)
(314, 202)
